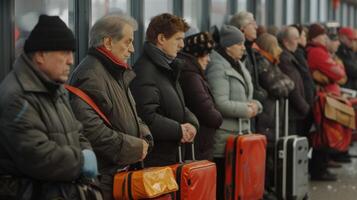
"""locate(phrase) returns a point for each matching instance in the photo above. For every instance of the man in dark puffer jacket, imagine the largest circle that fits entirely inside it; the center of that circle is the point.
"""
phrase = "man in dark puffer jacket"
(157, 91)
(42, 149)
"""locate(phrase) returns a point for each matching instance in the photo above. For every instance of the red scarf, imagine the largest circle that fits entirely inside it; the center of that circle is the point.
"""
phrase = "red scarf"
(112, 57)
(267, 55)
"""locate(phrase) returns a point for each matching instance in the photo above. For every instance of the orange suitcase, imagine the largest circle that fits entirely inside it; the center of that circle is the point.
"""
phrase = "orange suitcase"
(196, 179)
(245, 167)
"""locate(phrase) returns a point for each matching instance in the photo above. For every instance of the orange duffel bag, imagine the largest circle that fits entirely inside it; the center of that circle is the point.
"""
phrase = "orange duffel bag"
(144, 184)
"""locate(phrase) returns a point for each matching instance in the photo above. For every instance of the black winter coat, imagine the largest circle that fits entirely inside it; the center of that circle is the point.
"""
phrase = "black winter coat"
(278, 85)
(253, 66)
(40, 138)
(349, 59)
(160, 103)
(107, 83)
(199, 100)
(299, 107)
(303, 68)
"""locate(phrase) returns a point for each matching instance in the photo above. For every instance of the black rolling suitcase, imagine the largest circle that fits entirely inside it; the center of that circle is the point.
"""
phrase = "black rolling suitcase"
(291, 162)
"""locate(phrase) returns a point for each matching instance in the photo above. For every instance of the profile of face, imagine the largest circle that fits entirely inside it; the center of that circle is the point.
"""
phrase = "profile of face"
(346, 41)
(302, 40)
(250, 30)
(172, 45)
(333, 45)
(293, 39)
(123, 48)
(322, 39)
(203, 61)
(55, 64)
(236, 51)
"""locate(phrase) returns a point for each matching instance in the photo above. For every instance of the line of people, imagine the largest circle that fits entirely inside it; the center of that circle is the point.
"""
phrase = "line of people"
(181, 89)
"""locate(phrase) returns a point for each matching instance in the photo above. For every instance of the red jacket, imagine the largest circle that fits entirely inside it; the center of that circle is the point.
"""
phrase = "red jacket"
(318, 58)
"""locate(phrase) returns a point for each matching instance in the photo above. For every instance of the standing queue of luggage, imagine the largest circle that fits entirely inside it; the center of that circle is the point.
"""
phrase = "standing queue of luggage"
(240, 105)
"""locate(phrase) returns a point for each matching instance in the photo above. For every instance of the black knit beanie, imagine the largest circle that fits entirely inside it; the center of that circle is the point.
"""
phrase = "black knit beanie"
(50, 34)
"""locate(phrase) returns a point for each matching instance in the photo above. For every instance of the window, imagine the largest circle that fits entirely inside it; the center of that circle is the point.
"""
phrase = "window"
(313, 11)
(344, 14)
(242, 5)
(27, 13)
(323, 11)
(290, 11)
(101, 8)
(260, 12)
(218, 12)
(192, 12)
(156, 7)
(351, 15)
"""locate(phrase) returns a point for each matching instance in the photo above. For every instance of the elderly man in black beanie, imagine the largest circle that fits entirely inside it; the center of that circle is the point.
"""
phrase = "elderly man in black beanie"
(42, 150)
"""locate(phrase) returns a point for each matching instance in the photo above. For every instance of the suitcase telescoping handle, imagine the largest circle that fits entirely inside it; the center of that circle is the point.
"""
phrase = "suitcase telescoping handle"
(277, 120)
(286, 120)
(240, 132)
(277, 132)
(192, 150)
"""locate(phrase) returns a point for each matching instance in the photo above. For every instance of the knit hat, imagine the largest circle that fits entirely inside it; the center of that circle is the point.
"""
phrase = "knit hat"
(348, 32)
(315, 30)
(230, 35)
(50, 34)
(199, 44)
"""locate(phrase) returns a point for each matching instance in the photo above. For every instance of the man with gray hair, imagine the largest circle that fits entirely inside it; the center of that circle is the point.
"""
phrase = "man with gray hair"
(299, 107)
(105, 76)
(246, 23)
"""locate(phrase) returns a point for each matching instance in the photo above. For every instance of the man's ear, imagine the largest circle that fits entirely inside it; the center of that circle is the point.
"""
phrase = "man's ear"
(161, 39)
(38, 57)
(107, 43)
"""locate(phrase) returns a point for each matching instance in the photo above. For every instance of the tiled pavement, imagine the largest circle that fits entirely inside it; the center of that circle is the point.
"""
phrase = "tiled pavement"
(345, 188)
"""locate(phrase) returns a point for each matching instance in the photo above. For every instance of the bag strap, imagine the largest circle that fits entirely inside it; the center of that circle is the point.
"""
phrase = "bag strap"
(339, 98)
(78, 92)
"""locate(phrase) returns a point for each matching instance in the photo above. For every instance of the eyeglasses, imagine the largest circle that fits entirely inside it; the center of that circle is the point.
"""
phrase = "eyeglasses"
(254, 23)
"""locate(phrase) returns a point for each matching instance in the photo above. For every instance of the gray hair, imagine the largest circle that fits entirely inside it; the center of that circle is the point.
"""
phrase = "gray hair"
(285, 33)
(241, 19)
(110, 26)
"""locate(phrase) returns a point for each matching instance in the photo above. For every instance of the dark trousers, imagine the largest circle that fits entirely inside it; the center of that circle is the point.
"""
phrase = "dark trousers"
(318, 163)
(220, 163)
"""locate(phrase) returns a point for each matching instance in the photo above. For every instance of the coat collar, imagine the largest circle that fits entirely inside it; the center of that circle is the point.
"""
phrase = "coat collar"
(316, 45)
(266, 54)
(160, 59)
(112, 57)
(191, 63)
(291, 56)
(118, 69)
(32, 79)
(228, 68)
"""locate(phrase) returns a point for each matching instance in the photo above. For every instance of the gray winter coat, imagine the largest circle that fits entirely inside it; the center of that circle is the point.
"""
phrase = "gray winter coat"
(231, 92)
